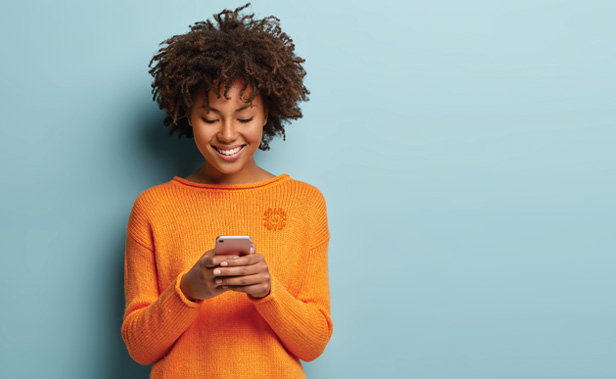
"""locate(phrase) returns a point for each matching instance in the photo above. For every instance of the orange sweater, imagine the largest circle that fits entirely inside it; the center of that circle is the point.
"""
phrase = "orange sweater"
(231, 335)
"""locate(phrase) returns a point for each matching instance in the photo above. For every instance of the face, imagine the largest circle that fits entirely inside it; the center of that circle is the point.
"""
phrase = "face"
(228, 133)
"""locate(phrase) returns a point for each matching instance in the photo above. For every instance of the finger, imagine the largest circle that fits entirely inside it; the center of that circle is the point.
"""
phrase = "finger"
(210, 258)
(245, 280)
(211, 283)
(218, 260)
(244, 260)
(220, 289)
(253, 248)
(239, 271)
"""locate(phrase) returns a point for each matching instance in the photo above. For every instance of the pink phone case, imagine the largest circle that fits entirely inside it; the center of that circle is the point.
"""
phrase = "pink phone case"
(228, 245)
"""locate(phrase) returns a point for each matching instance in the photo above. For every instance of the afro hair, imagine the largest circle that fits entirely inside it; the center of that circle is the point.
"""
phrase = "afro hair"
(214, 54)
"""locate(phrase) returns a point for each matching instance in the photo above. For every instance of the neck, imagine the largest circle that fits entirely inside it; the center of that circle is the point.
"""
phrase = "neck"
(249, 174)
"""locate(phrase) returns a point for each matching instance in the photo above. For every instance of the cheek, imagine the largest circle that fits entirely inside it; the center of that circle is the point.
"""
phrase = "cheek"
(201, 139)
(258, 133)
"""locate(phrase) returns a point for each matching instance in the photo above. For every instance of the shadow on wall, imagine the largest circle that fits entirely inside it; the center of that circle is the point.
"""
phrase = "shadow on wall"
(149, 154)
(157, 157)
(118, 363)
(167, 155)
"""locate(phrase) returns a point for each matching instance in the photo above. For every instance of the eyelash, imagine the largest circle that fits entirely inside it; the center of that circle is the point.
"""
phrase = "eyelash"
(243, 121)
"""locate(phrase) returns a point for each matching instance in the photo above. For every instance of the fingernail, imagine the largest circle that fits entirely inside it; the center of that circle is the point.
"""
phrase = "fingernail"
(234, 257)
(225, 286)
(218, 281)
(216, 272)
(224, 263)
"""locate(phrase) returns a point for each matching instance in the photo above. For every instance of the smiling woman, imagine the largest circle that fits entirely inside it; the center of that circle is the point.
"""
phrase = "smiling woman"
(231, 87)
(228, 132)
(214, 56)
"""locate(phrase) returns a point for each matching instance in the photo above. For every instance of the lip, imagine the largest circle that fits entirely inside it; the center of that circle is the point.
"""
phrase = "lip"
(228, 158)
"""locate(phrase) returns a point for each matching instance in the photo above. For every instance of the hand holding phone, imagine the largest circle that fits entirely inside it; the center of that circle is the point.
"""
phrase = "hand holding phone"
(227, 250)
(248, 273)
(230, 245)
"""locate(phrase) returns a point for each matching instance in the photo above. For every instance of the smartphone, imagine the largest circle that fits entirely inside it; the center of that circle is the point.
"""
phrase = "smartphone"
(228, 245)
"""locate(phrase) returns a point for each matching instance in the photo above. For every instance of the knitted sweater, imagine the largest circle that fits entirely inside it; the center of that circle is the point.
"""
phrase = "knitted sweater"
(231, 335)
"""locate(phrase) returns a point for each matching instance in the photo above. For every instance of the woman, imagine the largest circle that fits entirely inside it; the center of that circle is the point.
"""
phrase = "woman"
(231, 85)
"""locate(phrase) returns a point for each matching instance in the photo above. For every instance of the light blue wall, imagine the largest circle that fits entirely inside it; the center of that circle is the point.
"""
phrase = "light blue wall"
(465, 150)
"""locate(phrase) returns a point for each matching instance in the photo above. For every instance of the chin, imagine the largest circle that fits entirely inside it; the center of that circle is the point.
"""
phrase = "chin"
(227, 169)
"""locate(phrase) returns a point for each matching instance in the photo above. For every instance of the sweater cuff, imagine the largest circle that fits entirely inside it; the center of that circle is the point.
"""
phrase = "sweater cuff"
(178, 290)
(276, 302)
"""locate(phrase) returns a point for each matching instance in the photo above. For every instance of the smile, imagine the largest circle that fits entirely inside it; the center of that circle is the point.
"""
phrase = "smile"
(230, 154)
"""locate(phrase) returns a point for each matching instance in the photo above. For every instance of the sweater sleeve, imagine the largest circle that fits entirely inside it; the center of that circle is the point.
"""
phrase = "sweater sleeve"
(153, 321)
(303, 323)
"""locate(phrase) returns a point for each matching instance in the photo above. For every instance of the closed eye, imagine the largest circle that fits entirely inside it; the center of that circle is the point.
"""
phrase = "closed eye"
(244, 120)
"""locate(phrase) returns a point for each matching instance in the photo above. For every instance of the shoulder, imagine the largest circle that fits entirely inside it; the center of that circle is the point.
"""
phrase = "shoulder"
(311, 198)
(147, 208)
(315, 209)
(303, 187)
(155, 197)
(307, 192)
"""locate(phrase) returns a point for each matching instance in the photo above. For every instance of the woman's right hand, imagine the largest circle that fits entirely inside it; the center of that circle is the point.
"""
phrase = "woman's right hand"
(199, 283)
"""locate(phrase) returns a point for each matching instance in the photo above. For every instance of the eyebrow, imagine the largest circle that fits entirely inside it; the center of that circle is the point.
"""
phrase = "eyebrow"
(216, 110)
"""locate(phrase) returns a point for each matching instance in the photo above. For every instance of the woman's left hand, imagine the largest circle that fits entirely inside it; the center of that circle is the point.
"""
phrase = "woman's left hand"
(248, 273)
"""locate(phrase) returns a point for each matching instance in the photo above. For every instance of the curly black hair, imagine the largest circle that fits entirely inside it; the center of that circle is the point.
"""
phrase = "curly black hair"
(238, 47)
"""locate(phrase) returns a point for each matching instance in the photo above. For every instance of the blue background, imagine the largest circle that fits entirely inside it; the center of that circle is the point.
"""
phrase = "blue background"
(465, 150)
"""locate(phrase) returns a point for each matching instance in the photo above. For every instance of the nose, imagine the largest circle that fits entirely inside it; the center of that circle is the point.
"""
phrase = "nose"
(227, 132)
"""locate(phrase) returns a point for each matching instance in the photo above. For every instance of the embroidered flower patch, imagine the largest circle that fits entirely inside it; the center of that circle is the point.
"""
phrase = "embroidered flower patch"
(274, 218)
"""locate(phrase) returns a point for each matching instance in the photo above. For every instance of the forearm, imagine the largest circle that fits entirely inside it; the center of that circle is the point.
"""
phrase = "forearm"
(304, 328)
(302, 323)
(150, 331)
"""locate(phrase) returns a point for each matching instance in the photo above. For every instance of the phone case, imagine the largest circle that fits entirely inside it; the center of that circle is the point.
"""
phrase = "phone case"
(228, 245)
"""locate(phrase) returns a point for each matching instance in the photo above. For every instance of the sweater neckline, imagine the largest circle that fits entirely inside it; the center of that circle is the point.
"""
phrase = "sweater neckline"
(260, 184)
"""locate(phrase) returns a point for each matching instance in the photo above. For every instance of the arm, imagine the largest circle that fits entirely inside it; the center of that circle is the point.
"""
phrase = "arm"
(303, 324)
(153, 321)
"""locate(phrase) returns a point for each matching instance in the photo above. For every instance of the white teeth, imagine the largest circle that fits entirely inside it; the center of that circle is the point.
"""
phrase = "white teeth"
(229, 152)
